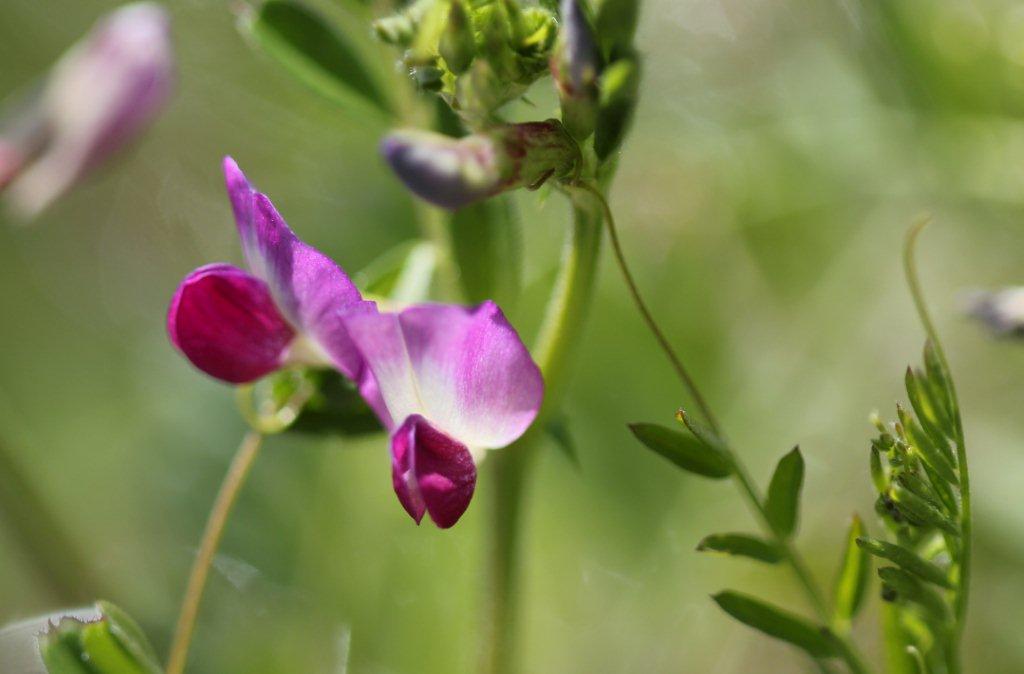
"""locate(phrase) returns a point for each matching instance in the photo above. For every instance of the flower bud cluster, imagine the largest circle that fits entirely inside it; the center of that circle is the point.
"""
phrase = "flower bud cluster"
(476, 56)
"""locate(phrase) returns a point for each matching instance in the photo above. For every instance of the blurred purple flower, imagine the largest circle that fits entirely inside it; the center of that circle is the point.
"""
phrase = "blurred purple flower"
(99, 96)
(454, 172)
(455, 382)
(239, 325)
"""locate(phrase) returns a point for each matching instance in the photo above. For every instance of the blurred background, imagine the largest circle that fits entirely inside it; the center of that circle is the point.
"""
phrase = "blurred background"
(780, 150)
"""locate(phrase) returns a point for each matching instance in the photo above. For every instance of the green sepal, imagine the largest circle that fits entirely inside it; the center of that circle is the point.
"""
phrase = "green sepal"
(909, 588)
(742, 545)
(317, 401)
(314, 53)
(815, 640)
(852, 580)
(907, 560)
(685, 451)
(782, 504)
(103, 652)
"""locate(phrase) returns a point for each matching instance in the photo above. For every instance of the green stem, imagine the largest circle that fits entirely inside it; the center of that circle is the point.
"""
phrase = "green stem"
(741, 477)
(55, 557)
(913, 281)
(559, 333)
(241, 464)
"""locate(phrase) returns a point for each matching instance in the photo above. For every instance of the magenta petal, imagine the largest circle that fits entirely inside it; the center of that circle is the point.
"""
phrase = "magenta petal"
(224, 320)
(431, 472)
(310, 289)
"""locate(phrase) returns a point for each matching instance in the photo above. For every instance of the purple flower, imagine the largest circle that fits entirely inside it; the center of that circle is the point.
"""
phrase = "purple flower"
(454, 172)
(447, 382)
(99, 96)
(288, 309)
(455, 382)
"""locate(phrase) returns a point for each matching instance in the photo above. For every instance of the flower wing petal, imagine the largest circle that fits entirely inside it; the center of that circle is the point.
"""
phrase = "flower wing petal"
(224, 321)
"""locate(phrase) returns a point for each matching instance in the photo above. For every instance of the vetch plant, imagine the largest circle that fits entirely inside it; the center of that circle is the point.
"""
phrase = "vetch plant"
(918, 464)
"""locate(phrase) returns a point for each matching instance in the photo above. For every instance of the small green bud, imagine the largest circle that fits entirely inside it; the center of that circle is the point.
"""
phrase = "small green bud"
(576, 65)
(457, 46)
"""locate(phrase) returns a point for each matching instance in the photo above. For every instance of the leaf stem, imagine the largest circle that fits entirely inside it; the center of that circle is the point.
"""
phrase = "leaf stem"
(741, 476)
(560, 331)
(241, 464)
(645, 312)
(913, 282)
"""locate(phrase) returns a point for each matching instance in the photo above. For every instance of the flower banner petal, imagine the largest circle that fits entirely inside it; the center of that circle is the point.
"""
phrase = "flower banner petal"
(224, 321)
(310, 289)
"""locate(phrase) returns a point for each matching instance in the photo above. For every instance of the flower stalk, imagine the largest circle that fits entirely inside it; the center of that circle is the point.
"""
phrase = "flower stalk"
(235, 479)
(563, 323)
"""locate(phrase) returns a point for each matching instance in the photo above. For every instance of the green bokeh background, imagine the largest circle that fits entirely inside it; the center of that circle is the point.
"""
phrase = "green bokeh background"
(779, 152)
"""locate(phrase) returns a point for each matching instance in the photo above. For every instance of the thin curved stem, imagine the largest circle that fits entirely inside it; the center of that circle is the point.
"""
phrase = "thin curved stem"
(563, 322)
(741, 477)
(241, 464)
(913, 281)
(645, 312)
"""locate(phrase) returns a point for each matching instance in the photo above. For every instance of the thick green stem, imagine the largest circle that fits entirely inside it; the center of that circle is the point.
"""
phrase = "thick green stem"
(563, 323)
(244, 459)
(53, 555)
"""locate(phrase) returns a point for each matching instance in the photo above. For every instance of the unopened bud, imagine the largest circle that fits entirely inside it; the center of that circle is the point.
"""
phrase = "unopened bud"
(620, 83)
(453, 173)
(576, 65)
(457, 46)
(97, 98)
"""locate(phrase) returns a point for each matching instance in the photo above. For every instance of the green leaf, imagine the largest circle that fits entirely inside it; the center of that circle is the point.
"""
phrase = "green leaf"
(854, 572)
(919, 510)
(906, 559)
(937, 428)
(487, 248)
(817, 641)
(402, 274)
(707, 436)
(939, 458)
(616, 24)
(619, 85)
(61, 648)
(909, 588)
(782, 505)
(128, 633)
(558, 429)
(111, 644)
(322, 59)
(939, 379)
(683, 450)
(104, 653)
(742, 545)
